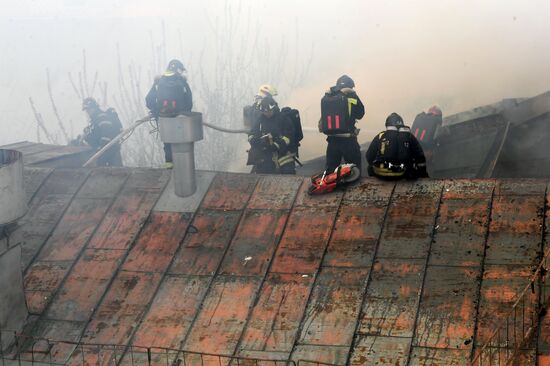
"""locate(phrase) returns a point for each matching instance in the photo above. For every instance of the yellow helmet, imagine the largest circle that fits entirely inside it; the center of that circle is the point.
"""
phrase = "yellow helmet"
(267, 90)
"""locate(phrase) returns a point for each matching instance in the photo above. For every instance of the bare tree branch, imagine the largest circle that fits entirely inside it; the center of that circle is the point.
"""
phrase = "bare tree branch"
(85, 74)
(74, 87)
(40, 123)
(54, 107)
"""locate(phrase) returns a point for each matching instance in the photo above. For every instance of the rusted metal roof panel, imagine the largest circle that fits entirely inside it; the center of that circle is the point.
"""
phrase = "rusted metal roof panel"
(172, 311)
(203, 248)
(230, 191)
(304, 241)
(254, 243)
(121, 309)
(59, 330)
(380, 351)
(332, 355)
(392, 298)
(158, 242)
(334, 307)
(520, 187)
(223, 315)
(421, 356)
(447, 308)
(75, 229)
(104, 183)
(379, 273)
(45, 210)
(515, 230)
(124, 220)
(461, 232)
(85, 285)
(275, 192)
(276, 317)
(408, 227)
(35, 227)
(33, 179)
(41, 281)
(358, 225)
(499, 287)
(64, 181)
(544, 338)
(474, 189)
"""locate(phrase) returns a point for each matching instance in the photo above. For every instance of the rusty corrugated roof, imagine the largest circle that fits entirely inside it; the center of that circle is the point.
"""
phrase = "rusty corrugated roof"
(379, 274)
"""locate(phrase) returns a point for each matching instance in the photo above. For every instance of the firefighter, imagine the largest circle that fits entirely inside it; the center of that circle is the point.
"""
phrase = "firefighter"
(251, 113)
(340, 109)
(424, 128)
(271, 141)
(395, 153)
(102, 128)
(170, 96)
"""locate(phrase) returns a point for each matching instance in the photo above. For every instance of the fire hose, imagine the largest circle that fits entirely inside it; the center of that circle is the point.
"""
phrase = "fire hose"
(127, 132)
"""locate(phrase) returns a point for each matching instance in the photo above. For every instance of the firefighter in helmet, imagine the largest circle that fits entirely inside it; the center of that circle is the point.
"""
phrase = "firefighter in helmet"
(271, 140)
(395, 153)
(341, 107)
(170, 96)
(102, 128)
(424, 127)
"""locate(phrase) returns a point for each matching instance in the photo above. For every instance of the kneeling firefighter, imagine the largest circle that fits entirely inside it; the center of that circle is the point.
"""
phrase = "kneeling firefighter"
(396, 153)
(103, 127)
(272, 141)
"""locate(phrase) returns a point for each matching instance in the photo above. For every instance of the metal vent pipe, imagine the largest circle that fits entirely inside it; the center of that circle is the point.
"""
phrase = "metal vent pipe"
(182, 132)
(13, 202)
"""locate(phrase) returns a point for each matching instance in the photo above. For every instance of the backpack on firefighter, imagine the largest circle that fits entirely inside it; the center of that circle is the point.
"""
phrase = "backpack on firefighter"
(169, 92)
(294, 116)
(336, 114)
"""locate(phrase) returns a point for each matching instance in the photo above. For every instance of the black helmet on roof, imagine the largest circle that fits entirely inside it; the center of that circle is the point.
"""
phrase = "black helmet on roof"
(266, 104)
(394, 120)
(89, 103)
(345, 81)
(175, 66)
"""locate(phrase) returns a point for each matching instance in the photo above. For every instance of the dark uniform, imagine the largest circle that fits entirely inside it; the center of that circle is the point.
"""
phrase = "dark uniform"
(272, 142)
(424, 127)
(169, 96)
(344, 145)
(103, 127)
(396, 153)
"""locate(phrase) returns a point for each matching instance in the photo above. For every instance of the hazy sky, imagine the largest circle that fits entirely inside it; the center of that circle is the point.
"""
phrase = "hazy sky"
(404, 55)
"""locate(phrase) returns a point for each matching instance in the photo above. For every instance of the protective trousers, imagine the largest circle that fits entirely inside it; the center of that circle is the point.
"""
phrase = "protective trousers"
(339, 148)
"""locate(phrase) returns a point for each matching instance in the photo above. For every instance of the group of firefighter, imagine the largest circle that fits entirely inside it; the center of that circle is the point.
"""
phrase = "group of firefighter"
(275, 133)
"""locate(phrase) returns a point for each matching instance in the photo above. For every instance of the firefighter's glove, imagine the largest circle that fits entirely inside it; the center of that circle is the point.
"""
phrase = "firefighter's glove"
(255, 141)
(281, 144)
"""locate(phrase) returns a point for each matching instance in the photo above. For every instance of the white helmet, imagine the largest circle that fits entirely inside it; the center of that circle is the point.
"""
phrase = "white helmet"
(267, 90)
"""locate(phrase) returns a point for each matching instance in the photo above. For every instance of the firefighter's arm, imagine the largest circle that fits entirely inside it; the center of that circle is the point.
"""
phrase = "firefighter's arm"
(151, 99)
(284, 141)
(373, 149)
(188, 96)
(358, 110)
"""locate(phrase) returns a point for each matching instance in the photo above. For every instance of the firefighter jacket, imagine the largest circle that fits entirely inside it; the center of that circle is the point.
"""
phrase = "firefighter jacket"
(104, 126)
(272, 139)
(424, 127)
(396, 152)
(355, 109)
(169, 96)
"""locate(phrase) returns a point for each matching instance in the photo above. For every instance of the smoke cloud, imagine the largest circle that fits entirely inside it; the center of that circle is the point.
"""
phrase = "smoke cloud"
(403, 55)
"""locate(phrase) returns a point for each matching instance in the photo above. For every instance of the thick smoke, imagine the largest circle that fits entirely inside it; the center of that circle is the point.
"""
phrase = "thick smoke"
(404, 55)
